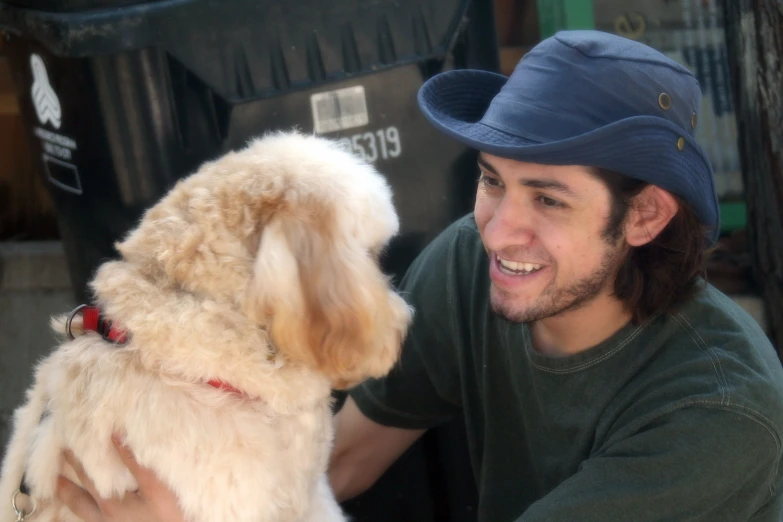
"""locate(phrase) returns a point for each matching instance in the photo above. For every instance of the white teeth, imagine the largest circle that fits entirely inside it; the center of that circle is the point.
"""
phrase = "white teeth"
(511, 265)
(518, 267)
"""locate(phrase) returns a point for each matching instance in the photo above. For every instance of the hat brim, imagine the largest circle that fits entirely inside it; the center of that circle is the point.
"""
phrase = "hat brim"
(643, 147)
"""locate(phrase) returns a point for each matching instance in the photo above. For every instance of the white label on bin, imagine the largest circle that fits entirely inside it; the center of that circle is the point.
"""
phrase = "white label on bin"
(58, 160)
(382, 144)
(63, 175)
(339, 109)
(55, 144)
(45, 100)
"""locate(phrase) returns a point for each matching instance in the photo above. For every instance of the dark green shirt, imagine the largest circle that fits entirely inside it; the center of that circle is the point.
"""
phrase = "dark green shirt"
(678, 418)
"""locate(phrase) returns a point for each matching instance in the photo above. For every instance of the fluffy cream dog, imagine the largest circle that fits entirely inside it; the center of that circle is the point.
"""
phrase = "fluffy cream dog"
(260, 271)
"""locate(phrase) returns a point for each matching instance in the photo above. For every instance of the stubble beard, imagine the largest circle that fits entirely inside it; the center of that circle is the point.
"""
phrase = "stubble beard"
(555, 301)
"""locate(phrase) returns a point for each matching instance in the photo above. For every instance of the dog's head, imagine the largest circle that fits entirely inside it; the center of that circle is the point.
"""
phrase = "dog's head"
(290, 231)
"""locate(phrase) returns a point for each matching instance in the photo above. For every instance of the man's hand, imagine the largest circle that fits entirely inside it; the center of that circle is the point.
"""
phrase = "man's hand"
(152, 502)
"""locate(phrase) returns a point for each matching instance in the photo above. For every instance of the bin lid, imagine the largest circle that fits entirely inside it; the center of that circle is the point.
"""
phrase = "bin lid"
(251, 49)
(70, 6)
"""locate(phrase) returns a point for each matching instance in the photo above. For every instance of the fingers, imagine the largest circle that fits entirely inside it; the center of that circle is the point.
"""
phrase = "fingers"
(78, 500)
(77, 467)
(153, 496)
(142, 475)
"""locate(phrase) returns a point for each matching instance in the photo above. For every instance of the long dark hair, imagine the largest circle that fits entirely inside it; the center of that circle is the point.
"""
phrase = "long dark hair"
(665, 272)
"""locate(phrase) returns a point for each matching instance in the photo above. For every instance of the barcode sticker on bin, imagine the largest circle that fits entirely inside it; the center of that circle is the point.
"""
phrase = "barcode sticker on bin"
(339, 109)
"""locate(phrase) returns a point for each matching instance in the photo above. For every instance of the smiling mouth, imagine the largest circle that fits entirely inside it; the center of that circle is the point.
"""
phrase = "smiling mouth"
(516, 268)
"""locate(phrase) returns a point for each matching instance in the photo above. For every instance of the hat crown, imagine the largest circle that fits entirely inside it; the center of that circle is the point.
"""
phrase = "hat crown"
(577, 81)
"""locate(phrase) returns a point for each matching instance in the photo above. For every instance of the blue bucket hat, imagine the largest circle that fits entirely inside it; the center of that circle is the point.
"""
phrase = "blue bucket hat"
(585, 98)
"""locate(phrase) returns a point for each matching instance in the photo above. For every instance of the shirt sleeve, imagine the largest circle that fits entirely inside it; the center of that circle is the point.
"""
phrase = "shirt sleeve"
(423, 390)
(695, 463)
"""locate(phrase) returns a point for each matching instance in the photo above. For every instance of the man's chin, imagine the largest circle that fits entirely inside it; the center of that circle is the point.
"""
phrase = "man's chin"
(509, 308)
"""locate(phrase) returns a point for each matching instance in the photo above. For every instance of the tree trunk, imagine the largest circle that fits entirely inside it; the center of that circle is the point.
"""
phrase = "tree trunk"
(754, 37)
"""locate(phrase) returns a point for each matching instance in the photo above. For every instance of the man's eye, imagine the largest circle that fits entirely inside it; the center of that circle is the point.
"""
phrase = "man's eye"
(549, 202)
(489, 181)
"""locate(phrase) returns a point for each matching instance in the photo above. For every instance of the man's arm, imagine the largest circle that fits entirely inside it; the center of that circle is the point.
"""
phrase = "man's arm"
(383, 417)
(363, 450)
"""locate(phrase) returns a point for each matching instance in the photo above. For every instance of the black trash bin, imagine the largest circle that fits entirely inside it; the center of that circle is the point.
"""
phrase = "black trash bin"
(122, 98)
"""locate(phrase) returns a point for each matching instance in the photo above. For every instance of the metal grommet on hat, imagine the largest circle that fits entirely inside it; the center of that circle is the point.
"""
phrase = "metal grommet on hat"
(694, 120)
(665, 101)
(681, 143)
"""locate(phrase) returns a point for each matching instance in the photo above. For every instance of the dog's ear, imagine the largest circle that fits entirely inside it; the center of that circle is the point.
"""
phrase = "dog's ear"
(325, 301)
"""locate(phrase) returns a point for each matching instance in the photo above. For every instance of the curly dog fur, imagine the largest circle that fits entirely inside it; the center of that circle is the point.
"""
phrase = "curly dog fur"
(260, 270)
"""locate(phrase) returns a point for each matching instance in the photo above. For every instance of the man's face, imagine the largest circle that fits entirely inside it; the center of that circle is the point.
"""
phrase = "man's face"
(544, 230)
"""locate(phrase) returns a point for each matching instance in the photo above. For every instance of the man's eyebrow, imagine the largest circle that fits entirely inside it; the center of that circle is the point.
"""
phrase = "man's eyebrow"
(549, 184)
(543, 184)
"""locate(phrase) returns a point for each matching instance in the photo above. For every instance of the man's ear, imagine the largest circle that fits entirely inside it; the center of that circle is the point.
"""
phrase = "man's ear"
(650, 211)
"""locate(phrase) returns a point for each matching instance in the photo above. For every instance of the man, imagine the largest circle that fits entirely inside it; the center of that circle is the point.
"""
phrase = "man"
(600, 378)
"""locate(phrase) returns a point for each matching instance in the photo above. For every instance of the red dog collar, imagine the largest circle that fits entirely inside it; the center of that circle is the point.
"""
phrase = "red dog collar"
(94, 321)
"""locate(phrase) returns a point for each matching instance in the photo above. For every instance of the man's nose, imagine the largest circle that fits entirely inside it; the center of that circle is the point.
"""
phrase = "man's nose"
(511, 224)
